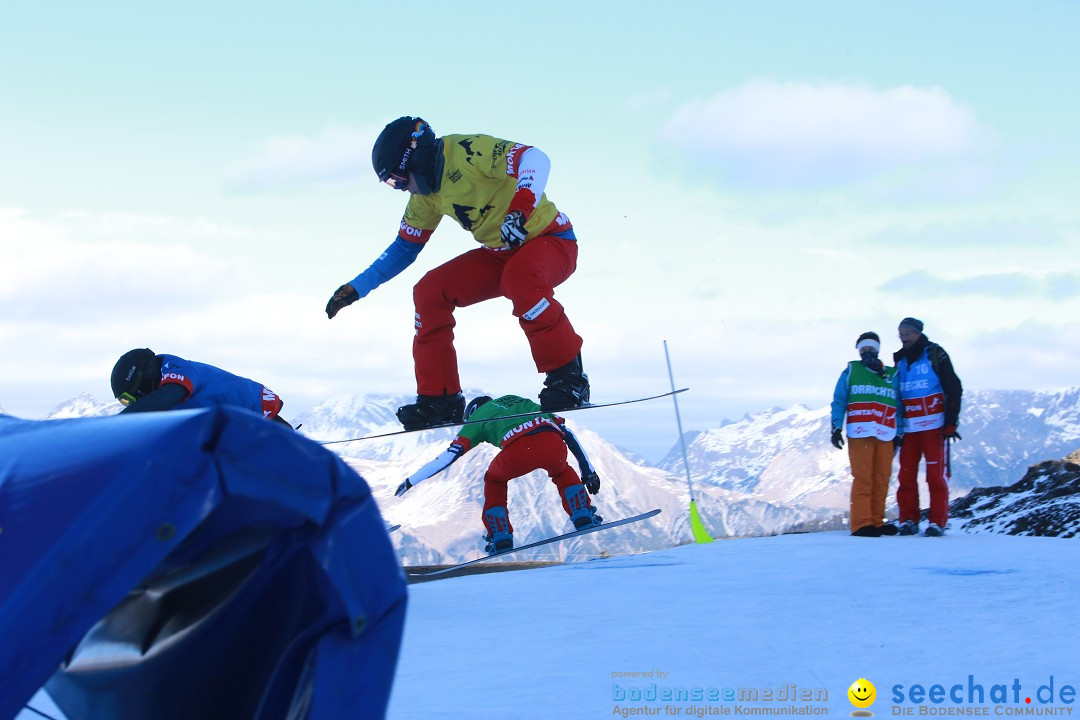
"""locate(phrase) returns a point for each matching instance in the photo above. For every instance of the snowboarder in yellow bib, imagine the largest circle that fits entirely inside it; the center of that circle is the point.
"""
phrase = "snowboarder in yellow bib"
(494, 189)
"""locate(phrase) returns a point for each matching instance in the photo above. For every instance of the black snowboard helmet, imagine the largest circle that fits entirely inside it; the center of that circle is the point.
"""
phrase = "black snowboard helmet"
(133, 375)
(408, 145)
(475, 403)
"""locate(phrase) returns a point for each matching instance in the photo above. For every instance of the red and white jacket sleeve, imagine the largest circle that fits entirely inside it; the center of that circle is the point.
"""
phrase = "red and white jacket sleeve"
(531, 167)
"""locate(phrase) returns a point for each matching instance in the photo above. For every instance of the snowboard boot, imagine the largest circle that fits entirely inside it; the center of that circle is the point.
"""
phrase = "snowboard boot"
(867, 531)
(909, 527)
(500, 537)
(934, 530)
(582, 514)
(565, 387)
(431, 410)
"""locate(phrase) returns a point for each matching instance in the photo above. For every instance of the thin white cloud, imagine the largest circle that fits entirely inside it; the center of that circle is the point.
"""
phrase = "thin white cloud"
(89, 268)
(992, 232)
(766, 133)
(336, 155)
(1053, 286)
(1046, 353)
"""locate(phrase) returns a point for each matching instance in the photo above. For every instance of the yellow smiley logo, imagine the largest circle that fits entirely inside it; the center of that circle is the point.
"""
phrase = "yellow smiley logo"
(862, 693)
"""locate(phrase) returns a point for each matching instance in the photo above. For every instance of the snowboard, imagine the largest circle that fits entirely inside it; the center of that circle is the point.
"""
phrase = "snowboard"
(538, 543)
(590, 406)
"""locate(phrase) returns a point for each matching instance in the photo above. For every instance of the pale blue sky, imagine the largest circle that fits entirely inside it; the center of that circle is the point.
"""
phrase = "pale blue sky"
(757, 184)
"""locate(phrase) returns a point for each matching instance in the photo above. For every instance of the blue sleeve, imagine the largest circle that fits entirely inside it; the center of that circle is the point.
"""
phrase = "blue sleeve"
(394, 259)
(839, 400)
(578, 452)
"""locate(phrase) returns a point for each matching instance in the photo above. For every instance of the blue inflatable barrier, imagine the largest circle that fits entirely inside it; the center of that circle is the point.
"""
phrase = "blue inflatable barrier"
(191, 564)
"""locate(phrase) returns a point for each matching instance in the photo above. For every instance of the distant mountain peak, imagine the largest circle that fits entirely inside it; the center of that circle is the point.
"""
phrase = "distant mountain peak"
(1045, 502)
(84, 405)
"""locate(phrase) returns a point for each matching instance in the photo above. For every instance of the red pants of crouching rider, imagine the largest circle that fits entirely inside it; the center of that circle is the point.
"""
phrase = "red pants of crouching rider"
(527, 276)
(543, 450)
(931, 445)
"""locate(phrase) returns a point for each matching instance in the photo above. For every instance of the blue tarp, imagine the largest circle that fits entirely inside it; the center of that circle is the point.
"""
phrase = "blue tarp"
(191, 564)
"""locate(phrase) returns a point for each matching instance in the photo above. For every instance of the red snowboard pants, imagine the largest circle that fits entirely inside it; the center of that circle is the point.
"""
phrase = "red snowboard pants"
(544, 450)
(527, 276)
(931, 445)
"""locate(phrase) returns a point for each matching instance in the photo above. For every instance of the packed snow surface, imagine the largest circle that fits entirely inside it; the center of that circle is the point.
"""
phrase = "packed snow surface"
(988, 620)
(790, 614)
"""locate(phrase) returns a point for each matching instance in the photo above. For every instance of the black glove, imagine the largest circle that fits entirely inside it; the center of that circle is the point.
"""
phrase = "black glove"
(897, 442)
(592, 482)
(343, 297)
(838, 438)
(950, 433)
(512, 231)
(403, 488)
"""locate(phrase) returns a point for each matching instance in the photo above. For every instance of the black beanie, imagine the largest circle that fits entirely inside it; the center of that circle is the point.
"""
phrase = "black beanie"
(912, 322)
(868, 336)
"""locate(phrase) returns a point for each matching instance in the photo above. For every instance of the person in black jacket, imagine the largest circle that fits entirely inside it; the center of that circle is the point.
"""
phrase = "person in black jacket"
(930, 392)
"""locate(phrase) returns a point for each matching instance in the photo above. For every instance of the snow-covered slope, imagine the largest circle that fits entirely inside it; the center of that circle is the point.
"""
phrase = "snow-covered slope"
(816, 611)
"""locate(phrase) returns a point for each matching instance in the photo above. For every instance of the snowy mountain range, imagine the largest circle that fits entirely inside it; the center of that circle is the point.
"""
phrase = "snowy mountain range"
(785, 455)
(767, 473)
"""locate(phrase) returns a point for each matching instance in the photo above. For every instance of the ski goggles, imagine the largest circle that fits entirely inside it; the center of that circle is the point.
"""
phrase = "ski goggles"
(397, 181)
(132, 393)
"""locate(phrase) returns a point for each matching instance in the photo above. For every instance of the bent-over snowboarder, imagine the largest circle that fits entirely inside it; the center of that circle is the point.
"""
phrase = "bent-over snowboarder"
(145, 382)
(525, 444)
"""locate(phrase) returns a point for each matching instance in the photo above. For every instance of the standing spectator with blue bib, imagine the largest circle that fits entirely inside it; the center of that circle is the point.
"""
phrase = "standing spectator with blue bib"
(930, 392)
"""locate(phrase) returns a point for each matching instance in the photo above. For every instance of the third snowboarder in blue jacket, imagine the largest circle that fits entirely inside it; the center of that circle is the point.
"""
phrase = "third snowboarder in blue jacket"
(144, 382)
